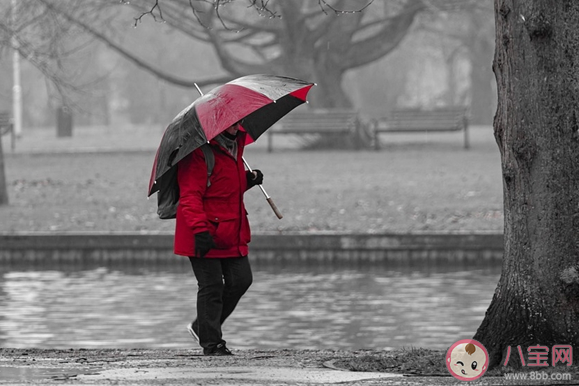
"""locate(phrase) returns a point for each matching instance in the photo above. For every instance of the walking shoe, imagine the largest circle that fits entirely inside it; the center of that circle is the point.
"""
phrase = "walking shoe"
(219, 350)
(191, 330)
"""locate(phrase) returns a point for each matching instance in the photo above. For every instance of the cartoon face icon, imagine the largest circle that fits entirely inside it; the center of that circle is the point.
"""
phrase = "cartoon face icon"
(467, 360)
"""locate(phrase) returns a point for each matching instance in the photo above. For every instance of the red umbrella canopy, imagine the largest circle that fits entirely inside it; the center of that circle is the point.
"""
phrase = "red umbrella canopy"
(256, 101)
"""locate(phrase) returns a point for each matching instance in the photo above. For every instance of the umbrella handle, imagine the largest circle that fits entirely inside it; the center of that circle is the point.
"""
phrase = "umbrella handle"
(267, 197)
(275, 210)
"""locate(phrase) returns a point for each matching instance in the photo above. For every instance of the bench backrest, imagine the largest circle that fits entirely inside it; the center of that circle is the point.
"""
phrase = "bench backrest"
(416, 119)
(320, 120)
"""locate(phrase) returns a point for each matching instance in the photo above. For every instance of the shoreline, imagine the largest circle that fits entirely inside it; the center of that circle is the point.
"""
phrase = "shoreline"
(186, 367)
(320, 247)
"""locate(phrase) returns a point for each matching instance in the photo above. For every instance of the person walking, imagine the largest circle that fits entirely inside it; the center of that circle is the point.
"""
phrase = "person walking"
(212, 229)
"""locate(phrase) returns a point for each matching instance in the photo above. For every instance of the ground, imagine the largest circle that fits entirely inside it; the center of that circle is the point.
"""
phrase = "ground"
(186, 367)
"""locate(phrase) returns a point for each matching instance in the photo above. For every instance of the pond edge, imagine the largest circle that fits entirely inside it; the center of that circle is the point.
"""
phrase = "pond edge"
(324, 247)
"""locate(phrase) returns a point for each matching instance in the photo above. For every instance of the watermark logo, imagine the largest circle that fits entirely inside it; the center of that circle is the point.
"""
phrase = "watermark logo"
(541, 356)
(467, 360)
(538, 356)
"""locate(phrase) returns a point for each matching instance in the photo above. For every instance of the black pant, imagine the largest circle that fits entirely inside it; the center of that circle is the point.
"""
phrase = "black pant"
(221, 283)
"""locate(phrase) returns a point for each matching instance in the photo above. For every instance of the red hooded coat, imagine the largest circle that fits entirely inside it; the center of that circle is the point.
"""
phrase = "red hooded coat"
(218, 208)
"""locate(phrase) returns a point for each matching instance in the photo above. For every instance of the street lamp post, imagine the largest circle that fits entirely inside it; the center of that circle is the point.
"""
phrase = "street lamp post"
(16, 87)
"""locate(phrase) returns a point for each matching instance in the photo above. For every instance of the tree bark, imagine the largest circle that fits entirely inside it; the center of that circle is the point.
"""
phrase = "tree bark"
(536, 66)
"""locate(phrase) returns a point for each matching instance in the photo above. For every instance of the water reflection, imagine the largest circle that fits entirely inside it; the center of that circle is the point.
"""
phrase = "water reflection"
(289, 307)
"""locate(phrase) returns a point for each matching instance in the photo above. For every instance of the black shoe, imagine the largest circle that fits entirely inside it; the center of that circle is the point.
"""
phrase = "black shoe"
(219, 350)
(191, 328)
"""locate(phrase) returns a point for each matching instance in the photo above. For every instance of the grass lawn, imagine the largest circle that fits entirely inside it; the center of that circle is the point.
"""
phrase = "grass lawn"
(414, 183)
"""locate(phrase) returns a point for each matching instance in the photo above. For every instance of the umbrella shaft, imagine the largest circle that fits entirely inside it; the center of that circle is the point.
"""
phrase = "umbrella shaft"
(264, 192)
(267, 197)
(251, 171)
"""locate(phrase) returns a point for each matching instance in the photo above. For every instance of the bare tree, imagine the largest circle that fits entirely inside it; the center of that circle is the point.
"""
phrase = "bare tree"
(307, 39)
(318, 40)
(467, 32)
(478, 40)
(45, 40)
(537, 131)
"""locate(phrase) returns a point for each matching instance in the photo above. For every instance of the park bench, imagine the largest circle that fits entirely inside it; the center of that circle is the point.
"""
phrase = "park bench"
(6, 127)
(318, 122)
(418, 120)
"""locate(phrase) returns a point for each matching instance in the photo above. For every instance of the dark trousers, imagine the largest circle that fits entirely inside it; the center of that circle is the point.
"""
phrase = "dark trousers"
(221, 283)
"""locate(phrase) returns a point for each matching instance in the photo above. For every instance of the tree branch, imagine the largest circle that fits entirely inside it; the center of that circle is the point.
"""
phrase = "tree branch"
(323, 4)
(128, 55)
(385, 40)
(149, 12)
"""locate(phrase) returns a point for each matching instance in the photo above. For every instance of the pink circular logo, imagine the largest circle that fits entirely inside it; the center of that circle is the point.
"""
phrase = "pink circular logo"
(467, 360)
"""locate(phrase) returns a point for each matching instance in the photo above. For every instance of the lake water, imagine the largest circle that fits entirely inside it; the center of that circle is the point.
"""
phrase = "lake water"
(302, 307)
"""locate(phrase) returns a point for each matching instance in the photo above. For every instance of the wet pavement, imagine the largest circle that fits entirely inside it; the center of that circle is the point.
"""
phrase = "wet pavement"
(189, 367)
(152, 367)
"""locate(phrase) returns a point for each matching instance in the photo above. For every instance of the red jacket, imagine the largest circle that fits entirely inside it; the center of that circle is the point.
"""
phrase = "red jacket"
(218, 208)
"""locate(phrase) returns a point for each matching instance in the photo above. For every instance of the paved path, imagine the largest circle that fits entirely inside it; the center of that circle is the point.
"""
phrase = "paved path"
(189, 367)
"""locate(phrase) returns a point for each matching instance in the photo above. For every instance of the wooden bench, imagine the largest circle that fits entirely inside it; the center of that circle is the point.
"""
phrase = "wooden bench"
(417, 120)
(317, 121)
(7, 127)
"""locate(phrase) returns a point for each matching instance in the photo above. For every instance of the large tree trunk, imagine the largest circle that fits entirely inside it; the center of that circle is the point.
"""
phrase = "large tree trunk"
(329, 91)
(536, 127)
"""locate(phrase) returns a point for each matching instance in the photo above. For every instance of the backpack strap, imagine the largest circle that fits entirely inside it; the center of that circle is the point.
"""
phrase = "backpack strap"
(209, 160)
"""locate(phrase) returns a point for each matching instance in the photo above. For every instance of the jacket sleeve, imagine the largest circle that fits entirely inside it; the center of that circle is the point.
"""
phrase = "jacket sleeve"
(192, 179)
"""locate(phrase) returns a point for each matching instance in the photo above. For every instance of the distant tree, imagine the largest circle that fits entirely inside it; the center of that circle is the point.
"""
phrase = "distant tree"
(318, 40)
(536, 127)
(467, 34)
(476, 37)
(312, 39)
(307, 39)
(3, 188)
(479, 41)
(42, 39)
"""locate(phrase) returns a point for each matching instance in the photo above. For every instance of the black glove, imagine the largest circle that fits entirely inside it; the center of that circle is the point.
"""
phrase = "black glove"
(253, 179)
(203, 243)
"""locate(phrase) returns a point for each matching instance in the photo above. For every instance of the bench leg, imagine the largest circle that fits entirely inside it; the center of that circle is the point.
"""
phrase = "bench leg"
(12, 139)
(376, 141)
(466, 143)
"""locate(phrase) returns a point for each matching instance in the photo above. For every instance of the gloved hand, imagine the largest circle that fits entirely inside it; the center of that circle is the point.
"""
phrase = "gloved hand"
(203, 243)
(255, 178)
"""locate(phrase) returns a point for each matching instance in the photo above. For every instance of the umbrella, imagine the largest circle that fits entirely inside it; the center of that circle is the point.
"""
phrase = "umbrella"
(256, 101)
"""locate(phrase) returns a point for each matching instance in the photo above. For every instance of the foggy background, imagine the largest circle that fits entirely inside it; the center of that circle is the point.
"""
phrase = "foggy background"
(444, 59)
